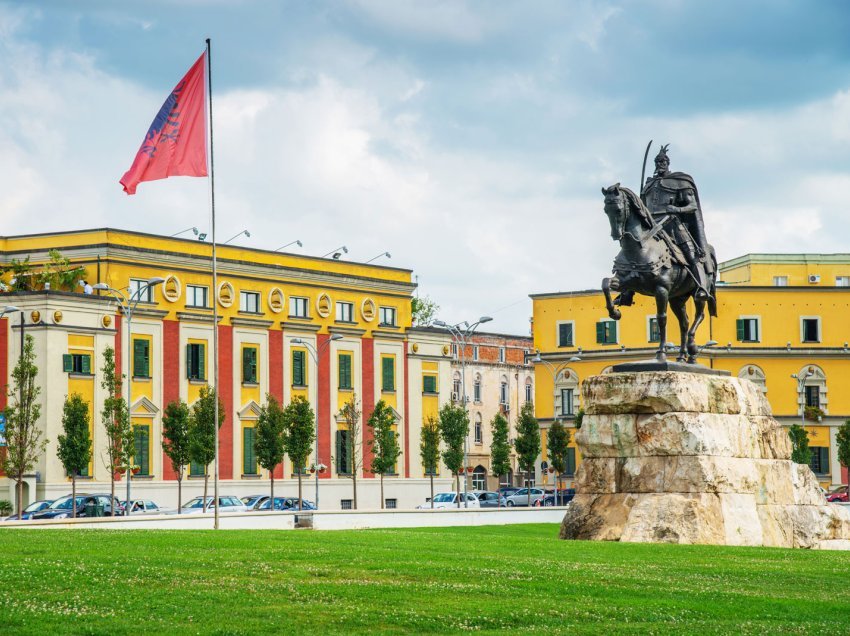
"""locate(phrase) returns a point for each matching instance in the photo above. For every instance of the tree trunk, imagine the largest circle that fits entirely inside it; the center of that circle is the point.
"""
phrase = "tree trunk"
(206, 483)
(74, 496)
(19, 496)
(112, 485)
(432, 490)
(180, 492)
(271, 475)
(354, 486)
(300, 505)
(457, 488)
(382, 491)
(528, 489)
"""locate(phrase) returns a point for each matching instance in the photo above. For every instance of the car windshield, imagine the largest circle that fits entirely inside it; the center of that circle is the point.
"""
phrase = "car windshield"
(444, 497)
(33, 507)
(65, 503)
(197, 503)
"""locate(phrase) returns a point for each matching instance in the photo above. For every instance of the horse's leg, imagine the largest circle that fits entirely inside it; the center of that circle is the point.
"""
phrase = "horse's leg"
(613, 312)
(698, 318)
(661, 295)
(677, 304)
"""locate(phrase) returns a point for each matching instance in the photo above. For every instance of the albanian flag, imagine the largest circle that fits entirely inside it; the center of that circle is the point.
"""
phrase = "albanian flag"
(175, 144)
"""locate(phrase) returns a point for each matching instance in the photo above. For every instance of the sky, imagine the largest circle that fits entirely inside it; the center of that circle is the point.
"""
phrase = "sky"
(469, 139)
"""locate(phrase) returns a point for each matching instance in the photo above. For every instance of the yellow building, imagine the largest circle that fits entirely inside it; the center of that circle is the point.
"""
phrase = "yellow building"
(288, 325)
(778, 315)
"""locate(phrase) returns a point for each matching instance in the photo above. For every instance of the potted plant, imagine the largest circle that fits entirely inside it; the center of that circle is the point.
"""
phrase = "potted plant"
(814, 413)
(135, 468)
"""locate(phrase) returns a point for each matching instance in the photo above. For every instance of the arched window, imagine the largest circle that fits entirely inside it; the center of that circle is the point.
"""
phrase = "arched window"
(479, 429)
(476, 388)
(754, 374)
(479, 478)
(811, 390)
(503, 390)
(456, 387)
(566, 393)
(529, 390)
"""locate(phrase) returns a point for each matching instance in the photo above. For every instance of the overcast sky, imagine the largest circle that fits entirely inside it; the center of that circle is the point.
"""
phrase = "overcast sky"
(469, 139)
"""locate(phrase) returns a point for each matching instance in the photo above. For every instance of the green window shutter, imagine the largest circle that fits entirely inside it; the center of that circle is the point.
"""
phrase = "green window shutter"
(344, 371)
(249, 365)
(739, 326)
(141, 438)
(388, 374)
(610, 332)
(298, 368)
(85, 364)
(139, 354)
(338, 454)
(67, 362)
(189, 361)
(600, 332)
(147, 359)
(254, 356)
(249, 456)
(565, 335)
(571, 461)
(202, 362)
(429, 384)
(196, 469)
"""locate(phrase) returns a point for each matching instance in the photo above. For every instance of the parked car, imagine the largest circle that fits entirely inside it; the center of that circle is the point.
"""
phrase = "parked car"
(63, 507)
(521, 498)
(838, 495)
(143, 507)
(253, 501)
(565, 496)
(226, 504)
(285, 503)
(489, 499)
(507, 491)
(449, 500)
(35, 506)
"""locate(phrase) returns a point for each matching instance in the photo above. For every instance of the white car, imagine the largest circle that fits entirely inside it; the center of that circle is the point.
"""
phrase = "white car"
(449, 500)
(521, 498)
(226, 504)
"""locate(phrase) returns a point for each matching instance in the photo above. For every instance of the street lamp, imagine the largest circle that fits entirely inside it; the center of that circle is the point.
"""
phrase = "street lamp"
(314, 353)
(801, 387)
(387, 254)
(128, 307)
(194, 230)
(245, 232)
(8, 309)
(300, 244)
(336, 252)
(461, 334)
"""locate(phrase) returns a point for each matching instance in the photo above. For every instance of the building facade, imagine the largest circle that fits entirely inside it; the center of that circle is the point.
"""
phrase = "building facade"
(289, 325)
(779, 315)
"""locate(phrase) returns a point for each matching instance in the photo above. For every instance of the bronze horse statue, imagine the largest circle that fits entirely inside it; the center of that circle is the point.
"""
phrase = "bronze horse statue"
(650, 263)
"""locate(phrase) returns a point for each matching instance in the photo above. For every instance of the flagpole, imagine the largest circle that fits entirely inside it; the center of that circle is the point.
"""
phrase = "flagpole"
(214, 289)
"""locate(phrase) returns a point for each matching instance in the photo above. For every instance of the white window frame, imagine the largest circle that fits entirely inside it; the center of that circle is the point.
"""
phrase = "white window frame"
(475, 353)
(296, 303)
(244, 305)
(558, 332)
(758, 327)
(803, 329)
(616, 324)
(503, 391)
(842, 281)
(138, 283)
(390, 312)
(478, 429)
(529, 390)
(571, 410)
(344, 311)
(502, 354)
(191, 294)
(780, 281)
(649, 320)
(476, 389)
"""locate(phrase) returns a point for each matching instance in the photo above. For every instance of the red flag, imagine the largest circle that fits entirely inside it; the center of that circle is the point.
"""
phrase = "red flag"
(175, 144)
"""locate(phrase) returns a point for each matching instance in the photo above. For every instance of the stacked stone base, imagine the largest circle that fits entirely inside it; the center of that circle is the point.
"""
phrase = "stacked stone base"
(685, 458)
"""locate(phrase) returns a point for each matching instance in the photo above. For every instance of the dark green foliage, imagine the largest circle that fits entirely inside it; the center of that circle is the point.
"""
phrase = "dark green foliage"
(579, 418)
(75, 445)
(800, 452)
(527, 443)
(423, 310)
(269, 440)
(59, 273)
(429, 445)
(176, 441)
(500, 450)
(843, 441)
(202, 426)
(384, 442)
(120, 441)
(559, 440)
(454, 427)
(299, 435)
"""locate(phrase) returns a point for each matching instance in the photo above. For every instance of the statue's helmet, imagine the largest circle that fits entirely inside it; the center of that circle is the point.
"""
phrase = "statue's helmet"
(662, 157)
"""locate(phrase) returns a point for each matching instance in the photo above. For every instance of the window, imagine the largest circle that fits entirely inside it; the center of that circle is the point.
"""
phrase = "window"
(140, 289)
(748, 329)
(571, 462)
(196, 296)
(249, 302)
(479, 429)
(479, 478)
(456, 387)
(344, 371)
(654, 331)
(503, 391)
(196, 469)
(196, 364)
(249, 456)
(142, 441)
(454, 351)
(141, 358)
(476, 389)
(811, 329)
(566, 401)
(343, 453)
(780, 281)
(249, 365)
(76, 363)
(501, 354)
(344, 312)
(390, 504)
(820, 460)
(565, 334)
(842, 281)
(475, 352)
(388, 316)
(388, 373)
(346, 504)
(299, 368)
(529, 390)
(429, 383)
(606, 332)
(297, 307)
(813, 396)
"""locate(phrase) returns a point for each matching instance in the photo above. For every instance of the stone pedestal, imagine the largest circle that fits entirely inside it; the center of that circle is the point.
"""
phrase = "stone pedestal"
(685, 458)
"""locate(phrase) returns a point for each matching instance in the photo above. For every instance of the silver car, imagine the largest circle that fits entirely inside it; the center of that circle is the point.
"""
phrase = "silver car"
(226, 504)
(489, 499)
(521, 497)
(143, 507)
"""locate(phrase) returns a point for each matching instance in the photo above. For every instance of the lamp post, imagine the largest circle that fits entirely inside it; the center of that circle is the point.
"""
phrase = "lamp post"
(374, 258)
(128, 307)
(300, 244)
(314, 353)
(194, 231)
(801, 387)
(461, 334)
(245, 232)
(336, 252)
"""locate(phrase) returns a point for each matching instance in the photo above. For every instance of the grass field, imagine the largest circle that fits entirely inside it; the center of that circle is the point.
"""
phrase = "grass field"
(517, 578)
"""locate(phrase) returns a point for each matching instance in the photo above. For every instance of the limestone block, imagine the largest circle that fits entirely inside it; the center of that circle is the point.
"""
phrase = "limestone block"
(777, 526)
(640, 474)
(595, 475)
(833, 544)
(675, 518)
(812, 524)
(805, 487)
(753, 400)
(741, 522)
(775, 481)
(597, 517)
(710, 475)
(681, 433)
(608, 435)
(774, 442)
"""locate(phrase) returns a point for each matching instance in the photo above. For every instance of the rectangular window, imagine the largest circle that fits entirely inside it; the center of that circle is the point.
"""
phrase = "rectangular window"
(388, 374)
(76, 363)
(388, 317)
(813, 396)
(454, 351)
(196, 296)
(479, 433)
(811, 330)
(654, 331)
(140, 289)
(501, 354)
(476, 391)
(780, 281)
(820, 460)
(528, 393)
(196, 469)
(842, 281)
(747, 329)
(566, 401)
(249, 456)
(565, 334)
(503, 393)
(249, 365)
(297, 307)
(429, 383)
(344, 312)
(344, 363)
(249, 302)
(343, 448)
(142, 440)
(390, 504)
(571, 462)
(299, 368)
(346, 504)
(141, 358)
(196, 364)
(475, 352)
(606, 332)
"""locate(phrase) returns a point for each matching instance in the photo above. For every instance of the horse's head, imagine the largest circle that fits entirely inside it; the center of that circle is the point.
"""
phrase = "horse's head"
(617, 209)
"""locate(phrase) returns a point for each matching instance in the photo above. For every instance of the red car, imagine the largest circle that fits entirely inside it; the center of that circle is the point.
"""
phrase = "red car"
(838, 496)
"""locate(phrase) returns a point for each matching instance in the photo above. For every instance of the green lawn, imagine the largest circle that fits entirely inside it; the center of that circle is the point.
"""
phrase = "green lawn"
(397, 581)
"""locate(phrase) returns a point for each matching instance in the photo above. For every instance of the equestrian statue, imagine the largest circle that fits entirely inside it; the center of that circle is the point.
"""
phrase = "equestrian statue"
(664, 252)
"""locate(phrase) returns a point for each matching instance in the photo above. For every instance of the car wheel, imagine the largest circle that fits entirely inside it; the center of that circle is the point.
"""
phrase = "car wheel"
(510, 504)
(548, 503)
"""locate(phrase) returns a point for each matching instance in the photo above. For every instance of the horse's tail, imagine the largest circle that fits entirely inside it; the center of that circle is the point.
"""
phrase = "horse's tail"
(712, 286)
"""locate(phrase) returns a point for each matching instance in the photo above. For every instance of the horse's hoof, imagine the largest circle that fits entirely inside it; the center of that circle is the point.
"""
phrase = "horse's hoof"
(692, 360)
(615, 314)
(680, 358)
(661, 357)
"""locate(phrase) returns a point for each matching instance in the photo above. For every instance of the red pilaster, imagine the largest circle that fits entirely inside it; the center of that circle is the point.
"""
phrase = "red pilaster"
(844, 475)
(276, 376)
(225, 392)
(406, 415)
(367, 355)
(324, 406)
(170, 378)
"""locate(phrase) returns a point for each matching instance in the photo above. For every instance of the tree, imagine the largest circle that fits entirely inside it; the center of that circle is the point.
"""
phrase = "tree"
(579, 418)
(454, 427)
(120, 445)
(75, 445)
(24, 443)
(500, 449)
(298, 422)
(268, 441)
(843, 440)
(559, 439)
(429, 450)
(59, 273)
(384, 442)
(527, 443)
(202, 427)
(176, 442)
(423, 311)
(352, 445)
(800, 453)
